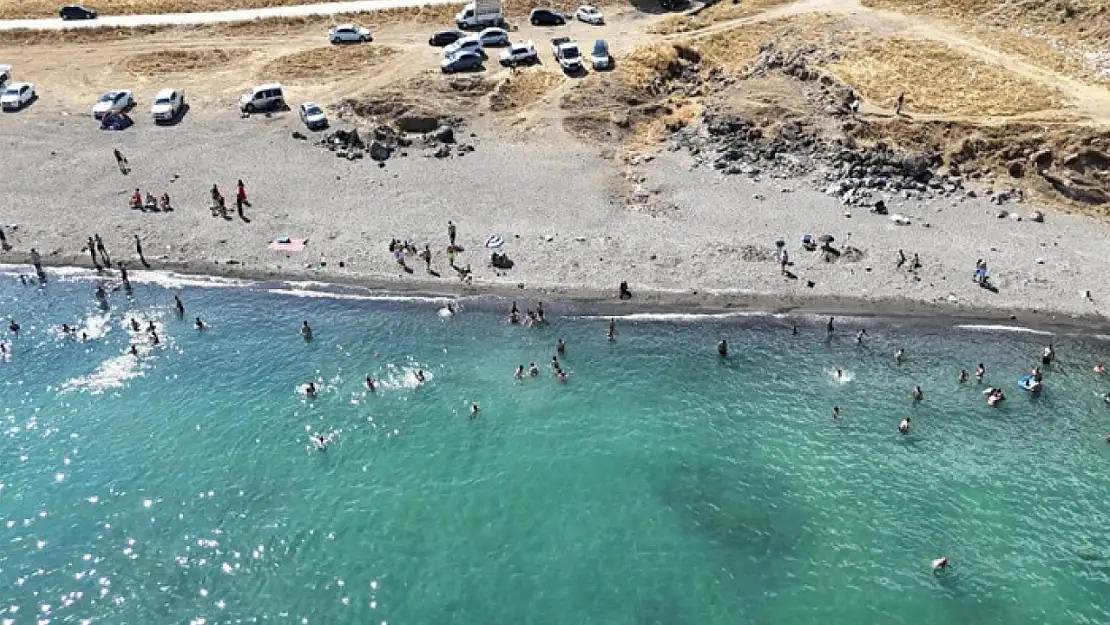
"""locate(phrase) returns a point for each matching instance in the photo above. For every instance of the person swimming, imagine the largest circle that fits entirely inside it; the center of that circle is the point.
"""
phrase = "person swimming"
(310, 390)
(904, 426)
(561, 376)
(154, 340)
(899, 354)
(722, 348)
(13, 327)
(840, 374)
(917, 394)
(178, 307)
(419, 375)
(198, 324)
(533, 370)
(371, 383)
(836, 412)
(134, 351)
(320, 441)
(980, 371)
(306, 331)
(940, 564)
(612, 333)
(150, 327)
(135, 327)
(560, 346)
(519, 372)
(555, 362)
(474, 409)
(963, 375)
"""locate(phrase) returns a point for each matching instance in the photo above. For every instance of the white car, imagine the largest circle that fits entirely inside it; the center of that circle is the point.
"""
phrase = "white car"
(521, 53)
(494, 37)
(349, 33)
(168, 104)
(466, 44)
(570, 59)
(113, 101)
(589, 14)
(600, 57)
(313, 116)
(16, 95)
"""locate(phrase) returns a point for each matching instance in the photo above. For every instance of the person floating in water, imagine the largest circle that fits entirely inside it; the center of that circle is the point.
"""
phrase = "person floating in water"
(722, 348)
(310, 390)
(980, 371)
(371, 383)
(306, 331)
(560, 346)
(1048, 354)
(179, 307)
(419, 375)
(836, 412)
(899, 354)
(963, 375)
(519, 371)
(904, 426)
(320, 441)
(612, 333)
(198, 324)
(533, 370)
(940, 564)
(474, 410)
(917, 394)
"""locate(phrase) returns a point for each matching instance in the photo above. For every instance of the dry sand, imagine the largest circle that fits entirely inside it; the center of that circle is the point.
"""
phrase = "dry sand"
(561, 207)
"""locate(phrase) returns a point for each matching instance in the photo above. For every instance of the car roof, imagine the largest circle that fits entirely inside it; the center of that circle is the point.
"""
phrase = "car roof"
(117, 91)
(494, 29)
(5, 68)
(18, 85)
(269, 85)
(309, 105)
(542, 10)
(587, 7)
(165, 93)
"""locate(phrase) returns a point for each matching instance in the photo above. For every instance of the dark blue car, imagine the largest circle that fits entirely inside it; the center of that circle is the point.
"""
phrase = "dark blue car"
(77, 12)
(461, 62)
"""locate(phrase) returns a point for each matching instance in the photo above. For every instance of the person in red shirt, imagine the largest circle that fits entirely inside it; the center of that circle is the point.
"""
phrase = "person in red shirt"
(241, 197)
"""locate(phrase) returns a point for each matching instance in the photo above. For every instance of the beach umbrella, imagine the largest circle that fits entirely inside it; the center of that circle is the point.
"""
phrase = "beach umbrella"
(780, 243)
(826, 238)
(495, 242)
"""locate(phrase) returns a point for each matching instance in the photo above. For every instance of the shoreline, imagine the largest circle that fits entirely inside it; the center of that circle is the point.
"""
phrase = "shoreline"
(603, 303)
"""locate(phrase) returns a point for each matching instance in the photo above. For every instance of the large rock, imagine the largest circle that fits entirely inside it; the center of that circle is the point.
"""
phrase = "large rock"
(1016, 169)
(1087, 161)
(417, 123)
(1077, 189)
(1041, 159)
(379, 151)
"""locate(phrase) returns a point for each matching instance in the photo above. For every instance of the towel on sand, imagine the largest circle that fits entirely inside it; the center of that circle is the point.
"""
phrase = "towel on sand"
(285, 244)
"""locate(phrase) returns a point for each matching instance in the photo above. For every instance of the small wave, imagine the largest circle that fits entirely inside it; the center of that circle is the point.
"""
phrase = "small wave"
(355, 297)
(677, 316)
(1004, 328)
(111, 373)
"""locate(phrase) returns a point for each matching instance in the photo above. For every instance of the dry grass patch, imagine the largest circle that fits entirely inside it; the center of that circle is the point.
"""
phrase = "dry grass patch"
(19, 9)
(165, 62)
(713, 14)
(326, 62)
(939, 79)
(736, 48)
(75, 36)
(524, 87)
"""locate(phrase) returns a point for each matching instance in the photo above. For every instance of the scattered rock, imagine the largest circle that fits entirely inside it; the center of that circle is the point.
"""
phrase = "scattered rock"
(379, 151)
(445, 134)
(299, 135)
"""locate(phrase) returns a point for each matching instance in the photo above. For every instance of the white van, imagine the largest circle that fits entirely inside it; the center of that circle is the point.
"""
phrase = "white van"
(266, 97)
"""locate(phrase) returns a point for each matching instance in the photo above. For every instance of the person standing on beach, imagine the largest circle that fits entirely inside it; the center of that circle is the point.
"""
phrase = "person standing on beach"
(427, 256)
(241, 198)
(103, 251)
(451, 232)
(139, 251)
(92, 253)
(4, 241)
(898, 106)
(121, 161)
(36, 262)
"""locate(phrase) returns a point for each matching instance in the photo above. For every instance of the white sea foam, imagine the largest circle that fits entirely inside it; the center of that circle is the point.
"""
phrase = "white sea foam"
(693, 317)
(1004, 328)
(357, 297)
(112, 373)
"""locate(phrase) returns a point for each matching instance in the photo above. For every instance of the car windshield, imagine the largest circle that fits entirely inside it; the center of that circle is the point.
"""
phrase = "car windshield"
(163, 100)
(11, 91)
(312, 110)
(600, 47)
(570, 52)
(108, 97)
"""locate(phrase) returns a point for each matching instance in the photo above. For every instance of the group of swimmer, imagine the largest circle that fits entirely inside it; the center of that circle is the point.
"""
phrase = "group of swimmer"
(530, 318)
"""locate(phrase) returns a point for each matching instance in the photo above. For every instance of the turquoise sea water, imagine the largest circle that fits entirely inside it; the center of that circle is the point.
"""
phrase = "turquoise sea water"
(659, 485)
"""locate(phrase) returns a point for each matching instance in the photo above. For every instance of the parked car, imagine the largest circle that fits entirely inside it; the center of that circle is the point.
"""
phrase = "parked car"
(349, 33)
(462, 61)
(546, 17)
(167, 105)
(77, 12)
(466, 44)
(589, 14)
(270, 96)
(521, 53)
(114, 101)
(445, 38)
(555, 43)
(5, 75)
(16, 95)
(480, 14)
(600, 57)
(313, 116)
(570, 59)
(494, 37)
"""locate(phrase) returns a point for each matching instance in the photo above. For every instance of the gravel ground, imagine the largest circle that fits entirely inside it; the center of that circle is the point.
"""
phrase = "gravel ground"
(560, 207)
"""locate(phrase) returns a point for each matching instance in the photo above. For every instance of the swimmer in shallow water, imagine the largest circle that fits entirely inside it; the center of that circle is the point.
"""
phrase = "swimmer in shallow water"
(474, 409)
(135, 327)
(980, 371)
(963, 375)
(612, 333)
(371, 383)
(839, 374)
(519, 372)
(533, 370)
(150, 327)
(198, 324)
(419, 375)
(306, 331)
(320, 441)
(178, 307)
(836, 412)
(154, 340)
(940, 564)
(904, 426)
(722, 348)
(560, 346)
(860, 336)
(1048, 354)
(310, 390)
(899, 354)
(13, 327)
(555, 362)
(917, 394)
(561, 375)
(1100, 369)
(134, 351)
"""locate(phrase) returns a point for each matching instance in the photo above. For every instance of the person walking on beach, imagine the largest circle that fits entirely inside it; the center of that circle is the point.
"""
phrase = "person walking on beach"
(121, 162)
(898, 106)
(241, 198)
(139, 251)
(426, 255)
(784, 260)
(103, 251)
(4, 241)
(901, 259)
(451, 232)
